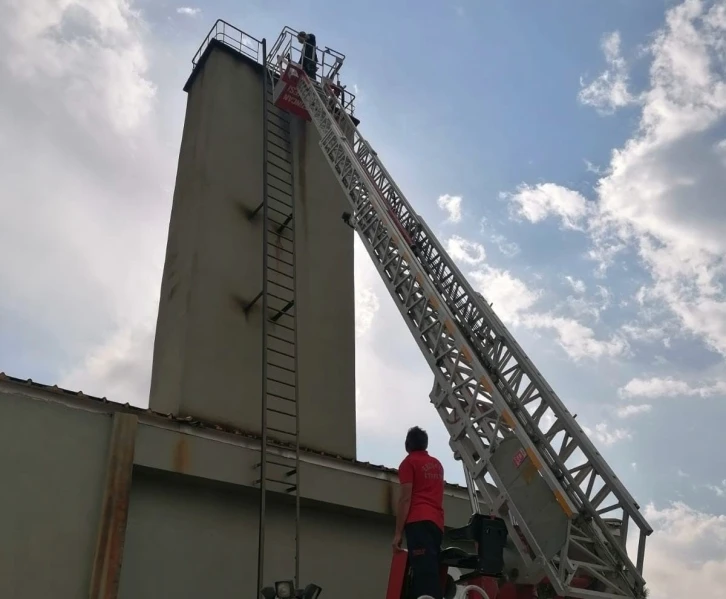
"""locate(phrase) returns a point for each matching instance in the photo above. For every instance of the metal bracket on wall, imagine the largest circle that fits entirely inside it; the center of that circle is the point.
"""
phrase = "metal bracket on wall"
(115, 507)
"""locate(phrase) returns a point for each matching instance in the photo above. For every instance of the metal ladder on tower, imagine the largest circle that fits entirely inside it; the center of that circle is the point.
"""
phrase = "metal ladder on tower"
(491, 398)
(279, 470)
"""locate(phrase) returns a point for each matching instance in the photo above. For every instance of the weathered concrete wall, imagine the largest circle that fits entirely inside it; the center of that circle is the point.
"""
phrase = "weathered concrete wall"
(207, 359)
(326, 327)
(201, 541)
(192, 521)
(53, 462)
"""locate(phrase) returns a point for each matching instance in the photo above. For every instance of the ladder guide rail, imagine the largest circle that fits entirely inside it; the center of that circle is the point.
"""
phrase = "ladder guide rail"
(486, 380)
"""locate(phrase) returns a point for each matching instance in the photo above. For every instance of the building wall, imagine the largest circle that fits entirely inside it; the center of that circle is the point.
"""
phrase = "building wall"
(192, 515)
(207, 359)
(53, 462)
(201, 541)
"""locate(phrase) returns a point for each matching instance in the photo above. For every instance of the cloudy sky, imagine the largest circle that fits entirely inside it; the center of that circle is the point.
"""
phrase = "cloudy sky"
(570, 155)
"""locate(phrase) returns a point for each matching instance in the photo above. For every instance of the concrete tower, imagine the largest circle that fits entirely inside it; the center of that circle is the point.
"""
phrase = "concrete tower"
(207, 352)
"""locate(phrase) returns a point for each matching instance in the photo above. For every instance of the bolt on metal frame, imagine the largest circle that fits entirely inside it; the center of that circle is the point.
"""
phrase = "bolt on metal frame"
(486, 389)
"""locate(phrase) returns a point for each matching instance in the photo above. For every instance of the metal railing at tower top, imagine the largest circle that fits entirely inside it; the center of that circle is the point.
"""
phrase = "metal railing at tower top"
(285, 48)
(230, 36)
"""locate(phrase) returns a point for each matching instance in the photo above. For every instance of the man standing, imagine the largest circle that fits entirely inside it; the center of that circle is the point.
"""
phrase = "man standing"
(420, 513)
(309, 59)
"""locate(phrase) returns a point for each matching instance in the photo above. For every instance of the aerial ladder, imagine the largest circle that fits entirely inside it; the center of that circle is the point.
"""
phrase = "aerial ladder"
(566, 512)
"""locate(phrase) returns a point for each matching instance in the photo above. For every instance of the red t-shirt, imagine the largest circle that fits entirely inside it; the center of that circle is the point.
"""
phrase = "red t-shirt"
(426, 474)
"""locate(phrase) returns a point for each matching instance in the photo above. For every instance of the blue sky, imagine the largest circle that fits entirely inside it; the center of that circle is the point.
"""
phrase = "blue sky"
(570, 155)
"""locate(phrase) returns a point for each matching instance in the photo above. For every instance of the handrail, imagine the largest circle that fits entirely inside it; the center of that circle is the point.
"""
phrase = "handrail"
(250, 46)
(233, 37)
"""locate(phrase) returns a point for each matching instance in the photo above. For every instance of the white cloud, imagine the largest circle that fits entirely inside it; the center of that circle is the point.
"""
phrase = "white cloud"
(465, 251)
(90, 54)
(452, 206)
(662, 194)
(628, 411)
(602, 433)
(670, 387)
(578, 340)
(188, 11)
(686, 554)
(609, 90)
(367, 303)
(120, 369)
(578, 286)
(85, 205)
(504, 246)
(509, 296)
(537, 202)
(513, 301)
(366, 306)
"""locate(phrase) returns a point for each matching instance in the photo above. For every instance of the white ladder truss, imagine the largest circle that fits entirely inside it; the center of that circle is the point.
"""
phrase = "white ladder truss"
(486, 389)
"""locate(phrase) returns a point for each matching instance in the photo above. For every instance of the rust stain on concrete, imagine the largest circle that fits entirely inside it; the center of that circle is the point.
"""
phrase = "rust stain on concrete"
(108, 557)
(181, 454)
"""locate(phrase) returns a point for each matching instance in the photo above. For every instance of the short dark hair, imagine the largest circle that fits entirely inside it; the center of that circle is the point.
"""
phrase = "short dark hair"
(417, 439)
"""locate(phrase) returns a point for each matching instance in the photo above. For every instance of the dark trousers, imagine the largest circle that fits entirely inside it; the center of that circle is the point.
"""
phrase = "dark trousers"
(310, 68)
(423, 540)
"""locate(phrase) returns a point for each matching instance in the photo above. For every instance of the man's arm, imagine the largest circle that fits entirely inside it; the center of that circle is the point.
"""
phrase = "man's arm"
(404, 504)
(405, 477)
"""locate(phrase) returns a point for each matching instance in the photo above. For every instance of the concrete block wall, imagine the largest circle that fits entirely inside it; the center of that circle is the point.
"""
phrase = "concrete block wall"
(207, 359)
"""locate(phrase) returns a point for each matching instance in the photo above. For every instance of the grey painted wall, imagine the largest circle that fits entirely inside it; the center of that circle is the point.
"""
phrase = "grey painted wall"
(52, 464)
(192, 526)
(201, 541)
(207, 360)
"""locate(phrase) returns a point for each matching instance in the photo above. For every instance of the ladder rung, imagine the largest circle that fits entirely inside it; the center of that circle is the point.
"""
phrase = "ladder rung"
(290, 264)
(284, 147)
(282, 340)
(281, 412)
(280, 227)
(281, 249)
(276, 284)
(276, 125)
(279, 181)
(281, 144)
(279, 162)
(282, 432)
(277, 297)
(284, 326)
(287, 215)
(282, 202)
(274, 463)
(283, 165)
(279, 272)
(277, 396)
(286, 483)
(285, 368)
(279, 382)
(277, 351)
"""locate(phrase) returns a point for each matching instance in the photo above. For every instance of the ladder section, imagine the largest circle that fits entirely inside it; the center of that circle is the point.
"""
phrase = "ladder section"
(280, 407)
(487, 391)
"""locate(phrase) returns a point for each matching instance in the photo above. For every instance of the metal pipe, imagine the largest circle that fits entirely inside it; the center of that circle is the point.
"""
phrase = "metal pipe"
(295, 380)
(263, 436)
